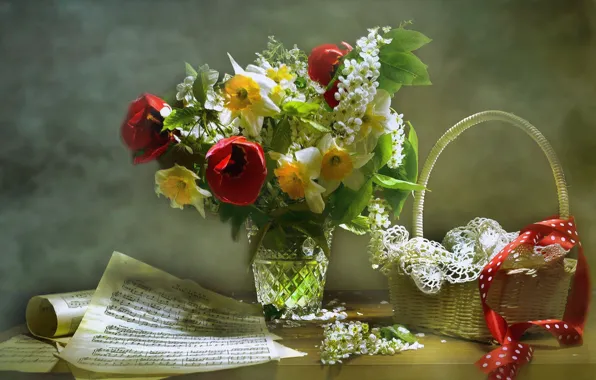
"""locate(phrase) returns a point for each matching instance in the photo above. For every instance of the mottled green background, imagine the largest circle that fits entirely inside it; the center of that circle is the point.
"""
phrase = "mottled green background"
(69, 195)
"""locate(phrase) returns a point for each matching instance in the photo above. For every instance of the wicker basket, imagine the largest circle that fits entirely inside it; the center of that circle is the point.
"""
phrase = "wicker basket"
(456, 310)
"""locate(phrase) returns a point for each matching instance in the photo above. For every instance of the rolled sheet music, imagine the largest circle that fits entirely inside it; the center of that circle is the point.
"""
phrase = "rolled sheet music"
(53, 316)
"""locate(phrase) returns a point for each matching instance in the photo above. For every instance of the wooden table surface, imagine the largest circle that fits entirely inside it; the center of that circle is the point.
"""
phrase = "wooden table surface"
(441, 358)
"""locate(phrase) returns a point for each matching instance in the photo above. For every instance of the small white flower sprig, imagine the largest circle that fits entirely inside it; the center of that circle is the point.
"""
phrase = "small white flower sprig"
(342, 340)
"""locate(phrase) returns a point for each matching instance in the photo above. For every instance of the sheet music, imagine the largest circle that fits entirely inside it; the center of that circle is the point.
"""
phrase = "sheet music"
(56, 315)
(27, 354)
(81, 374)
(142, 320)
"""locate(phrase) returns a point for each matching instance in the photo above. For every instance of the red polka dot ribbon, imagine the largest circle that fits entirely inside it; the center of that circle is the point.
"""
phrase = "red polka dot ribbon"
(504, 362)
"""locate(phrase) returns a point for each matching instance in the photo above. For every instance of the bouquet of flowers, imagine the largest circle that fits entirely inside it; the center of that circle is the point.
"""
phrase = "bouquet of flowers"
(291, 142)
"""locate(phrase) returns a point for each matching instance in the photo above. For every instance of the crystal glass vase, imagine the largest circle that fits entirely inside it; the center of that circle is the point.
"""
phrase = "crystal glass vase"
(293, 278)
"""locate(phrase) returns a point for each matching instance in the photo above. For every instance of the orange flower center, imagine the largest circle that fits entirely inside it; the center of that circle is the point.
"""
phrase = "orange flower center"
(241, 92)
(336, 165)
(290, 180)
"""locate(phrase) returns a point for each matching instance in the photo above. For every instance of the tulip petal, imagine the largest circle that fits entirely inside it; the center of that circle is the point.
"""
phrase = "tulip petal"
(312, 160)
(242, 183)
(151, 154)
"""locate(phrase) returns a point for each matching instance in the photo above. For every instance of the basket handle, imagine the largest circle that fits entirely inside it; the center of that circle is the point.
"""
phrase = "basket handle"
(470, 121)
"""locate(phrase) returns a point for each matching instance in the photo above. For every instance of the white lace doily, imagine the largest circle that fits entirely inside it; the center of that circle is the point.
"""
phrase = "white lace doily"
(460, 258)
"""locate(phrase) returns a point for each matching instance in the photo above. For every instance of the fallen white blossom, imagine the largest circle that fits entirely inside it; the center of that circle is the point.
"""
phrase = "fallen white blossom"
(337, 313)
(341, 340)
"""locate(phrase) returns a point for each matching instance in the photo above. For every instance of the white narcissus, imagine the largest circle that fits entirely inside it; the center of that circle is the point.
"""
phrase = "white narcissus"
(376, 121)
(247, 96)
(296, 177)
(283, 78)
(340, 165)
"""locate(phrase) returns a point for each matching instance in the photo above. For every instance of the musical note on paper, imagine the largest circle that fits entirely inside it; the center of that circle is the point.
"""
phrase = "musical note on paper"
(57, 315)
(142, 320)
(27, 354)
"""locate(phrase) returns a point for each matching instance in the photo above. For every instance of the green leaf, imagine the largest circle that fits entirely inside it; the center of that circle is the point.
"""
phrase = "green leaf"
(258, 216)
(406, 39)
(316, 232)
(396, 199)
(383, 152)
(183, 118)
(275, 238)
(271, 166)
(359, 226)
(402, 67)
(236, 215)
(296, 108)
(399, 66)
(398, 332)
(190, 71)
(316, 125)
(205, 80)
(256, 242)
(349, 204)
(413, 139)
(395, 184)
(187, 148)
(282, 137)
(388, 85)
(300, 82)
(292, 217)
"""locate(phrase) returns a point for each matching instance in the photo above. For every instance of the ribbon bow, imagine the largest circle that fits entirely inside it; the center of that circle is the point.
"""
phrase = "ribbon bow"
(504, 362)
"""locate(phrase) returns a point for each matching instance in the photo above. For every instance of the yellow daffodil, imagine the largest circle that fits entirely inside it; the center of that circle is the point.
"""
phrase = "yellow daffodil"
(247, 96)
(277, 94)
(280, 75)
(296, 177)
(340, 165)
(179, 185)
(377, 120)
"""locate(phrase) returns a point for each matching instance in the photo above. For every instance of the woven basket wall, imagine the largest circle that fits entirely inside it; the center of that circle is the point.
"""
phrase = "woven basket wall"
(456, 310)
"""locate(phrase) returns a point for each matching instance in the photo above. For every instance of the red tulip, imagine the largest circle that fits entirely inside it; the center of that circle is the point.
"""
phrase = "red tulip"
(329, 96)
(323, 61)
(141, 130)
(236, 170)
